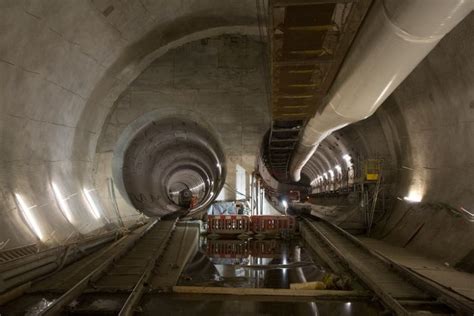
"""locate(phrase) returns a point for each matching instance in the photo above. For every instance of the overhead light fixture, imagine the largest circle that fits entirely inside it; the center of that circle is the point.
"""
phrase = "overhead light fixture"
(92, 206)
(338, 168)
(63, 206)
(284, 203)
(331, 173)
(29, 217)
(348, 160)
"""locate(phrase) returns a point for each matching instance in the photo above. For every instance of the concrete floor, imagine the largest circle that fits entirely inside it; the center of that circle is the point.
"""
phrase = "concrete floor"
(440, 272)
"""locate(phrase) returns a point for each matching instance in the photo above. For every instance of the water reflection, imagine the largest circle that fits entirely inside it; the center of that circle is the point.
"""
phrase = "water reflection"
(257, 264)
(251, 263)
(206, 305)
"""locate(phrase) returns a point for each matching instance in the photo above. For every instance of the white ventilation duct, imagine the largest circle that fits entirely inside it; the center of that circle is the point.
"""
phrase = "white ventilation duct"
(395, 37)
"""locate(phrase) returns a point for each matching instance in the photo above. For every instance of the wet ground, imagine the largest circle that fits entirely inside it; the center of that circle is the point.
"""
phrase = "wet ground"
(234, 263)
(273, 263)
(206, 305)
(251, 263)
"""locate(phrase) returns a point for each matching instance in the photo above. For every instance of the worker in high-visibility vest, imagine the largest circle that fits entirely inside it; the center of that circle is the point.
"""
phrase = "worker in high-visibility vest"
(194, 202)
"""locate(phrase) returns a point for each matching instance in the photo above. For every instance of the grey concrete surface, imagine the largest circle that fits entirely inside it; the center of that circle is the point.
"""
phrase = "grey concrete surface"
(215, 82)
(70, 87)
(424, 132)
(62, 65)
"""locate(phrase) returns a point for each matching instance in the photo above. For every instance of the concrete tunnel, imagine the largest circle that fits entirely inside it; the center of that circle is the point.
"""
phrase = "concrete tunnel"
(110, 108)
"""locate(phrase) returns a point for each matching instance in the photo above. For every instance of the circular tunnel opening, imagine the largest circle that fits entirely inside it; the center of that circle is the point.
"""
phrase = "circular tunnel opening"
(172, 165)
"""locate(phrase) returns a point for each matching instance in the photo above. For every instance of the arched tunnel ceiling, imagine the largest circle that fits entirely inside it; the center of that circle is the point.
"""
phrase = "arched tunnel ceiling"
(67, 71)
(63, 65)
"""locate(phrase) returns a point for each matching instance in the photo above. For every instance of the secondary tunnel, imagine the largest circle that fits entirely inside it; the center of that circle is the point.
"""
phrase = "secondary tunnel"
(169, 161)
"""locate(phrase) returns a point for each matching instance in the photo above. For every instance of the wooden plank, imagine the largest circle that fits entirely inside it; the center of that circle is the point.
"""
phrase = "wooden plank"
(288, 3)
(266, 291)
(305, 62)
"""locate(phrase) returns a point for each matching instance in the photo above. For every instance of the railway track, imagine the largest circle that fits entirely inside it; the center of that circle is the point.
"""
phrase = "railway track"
(125, 267)
(400, 289)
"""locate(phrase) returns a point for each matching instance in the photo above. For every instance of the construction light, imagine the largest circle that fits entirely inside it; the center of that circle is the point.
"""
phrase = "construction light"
(63, 206)
(414, 197)
(29, 217)
(348, 160)
(92, 206)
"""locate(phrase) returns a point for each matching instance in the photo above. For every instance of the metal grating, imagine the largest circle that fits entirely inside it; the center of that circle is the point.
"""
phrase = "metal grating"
(308, 42)
(16, 253)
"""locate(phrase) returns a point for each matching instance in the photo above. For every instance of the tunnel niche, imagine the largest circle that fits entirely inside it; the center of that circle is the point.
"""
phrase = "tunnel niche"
(171, 165)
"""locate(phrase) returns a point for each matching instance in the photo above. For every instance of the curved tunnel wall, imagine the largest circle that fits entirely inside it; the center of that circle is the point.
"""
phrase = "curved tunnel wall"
(424, 132)
(168, 156)
(216, 82)
(63, 64)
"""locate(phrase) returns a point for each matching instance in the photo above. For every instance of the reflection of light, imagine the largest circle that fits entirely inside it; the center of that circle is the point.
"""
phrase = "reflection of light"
(64, 207)
(469, 213)
(338, 168)
(413, 196)
(284, 203)
(348, 159)
(197, 186)
(382, 96)
(92, 206)
(30, 218)
(325, 175)
(347, 307)
(331, 173)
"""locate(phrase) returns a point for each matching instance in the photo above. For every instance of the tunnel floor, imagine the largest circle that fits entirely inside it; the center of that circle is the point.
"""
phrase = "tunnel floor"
(251, 263)
(238, 305)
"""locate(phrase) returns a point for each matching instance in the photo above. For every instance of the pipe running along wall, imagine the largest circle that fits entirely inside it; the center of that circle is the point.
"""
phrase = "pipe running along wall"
(169, 161)
(395, 37)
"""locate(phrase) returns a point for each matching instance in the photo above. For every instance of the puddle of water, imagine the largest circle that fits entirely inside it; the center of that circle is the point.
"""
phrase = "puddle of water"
(271, 263)
(206, 305)
(28, 305)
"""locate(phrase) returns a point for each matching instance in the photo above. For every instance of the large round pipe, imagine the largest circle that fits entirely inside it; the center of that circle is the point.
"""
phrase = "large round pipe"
(395, 37)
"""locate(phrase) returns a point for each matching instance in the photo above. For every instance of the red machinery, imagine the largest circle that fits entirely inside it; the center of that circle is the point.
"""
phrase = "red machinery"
(272, 225)
(236, 249)
(228, 224)
(259, 224)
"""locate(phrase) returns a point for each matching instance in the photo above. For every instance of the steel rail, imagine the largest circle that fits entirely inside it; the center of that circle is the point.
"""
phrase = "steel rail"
(137, 292)
(439, 291)
(441, 294)
(126, 242)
